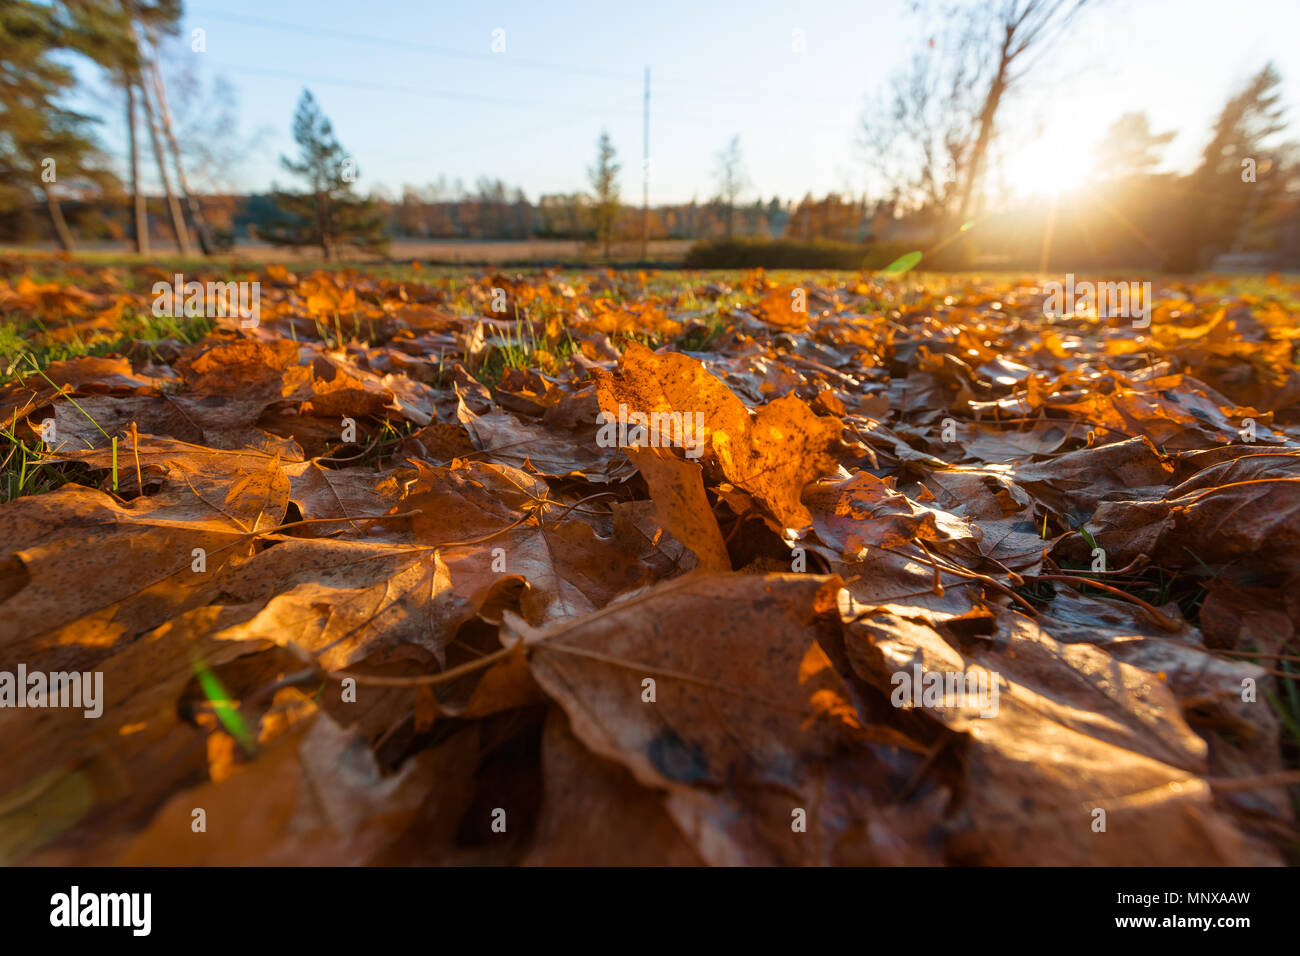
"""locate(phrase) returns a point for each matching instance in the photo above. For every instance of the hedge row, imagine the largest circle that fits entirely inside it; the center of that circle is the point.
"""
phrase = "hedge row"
(792, 254)
(818, 254)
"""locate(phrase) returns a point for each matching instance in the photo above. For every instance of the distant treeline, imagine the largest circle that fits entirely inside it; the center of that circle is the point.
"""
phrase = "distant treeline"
(1136, 222)
(493, 213)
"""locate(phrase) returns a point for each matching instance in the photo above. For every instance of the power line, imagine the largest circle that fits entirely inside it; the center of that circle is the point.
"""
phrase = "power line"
(746, 95)
(460, 96)
(495, 58)
(457, 95)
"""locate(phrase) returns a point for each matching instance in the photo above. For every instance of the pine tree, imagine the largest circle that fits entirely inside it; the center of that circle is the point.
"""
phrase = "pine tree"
(44, 147)
(1130, 148)
(730, 174)
(104, 31)
(164, 117)
(1217, 194)
(328, 214)
(604, 182)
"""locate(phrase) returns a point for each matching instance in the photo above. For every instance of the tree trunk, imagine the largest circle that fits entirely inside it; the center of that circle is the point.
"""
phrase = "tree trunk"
(56, 216)
(323, 226)
(164, 114)
(141, 211)
(173, 205)
(975, 167)
(1245, 222)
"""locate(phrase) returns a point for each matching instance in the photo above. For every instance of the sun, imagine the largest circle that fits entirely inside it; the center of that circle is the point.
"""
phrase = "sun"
(1048, 169)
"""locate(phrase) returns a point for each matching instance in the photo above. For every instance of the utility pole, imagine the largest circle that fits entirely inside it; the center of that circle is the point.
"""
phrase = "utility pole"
(645, 173)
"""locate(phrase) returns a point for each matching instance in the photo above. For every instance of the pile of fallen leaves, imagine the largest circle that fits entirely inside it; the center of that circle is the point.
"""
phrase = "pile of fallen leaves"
(365, 586)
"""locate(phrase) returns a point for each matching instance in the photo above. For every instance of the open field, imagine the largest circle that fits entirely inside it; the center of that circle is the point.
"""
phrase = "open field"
(770, 568)
(405, 250)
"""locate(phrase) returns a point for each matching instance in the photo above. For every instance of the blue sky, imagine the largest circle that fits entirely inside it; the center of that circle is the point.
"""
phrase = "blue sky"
(415, 91)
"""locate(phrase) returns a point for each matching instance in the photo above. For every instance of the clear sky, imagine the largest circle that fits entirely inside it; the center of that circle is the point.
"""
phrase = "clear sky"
(414, 89)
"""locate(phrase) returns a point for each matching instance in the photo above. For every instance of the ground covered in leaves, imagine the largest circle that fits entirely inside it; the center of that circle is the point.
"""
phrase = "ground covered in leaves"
(365, 585)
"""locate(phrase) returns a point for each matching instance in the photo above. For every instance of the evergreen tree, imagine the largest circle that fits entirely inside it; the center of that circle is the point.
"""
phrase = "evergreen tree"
(44, 147)
(604, 183)
(730, 174)
(1130, 148)
(104, 31)
(328, 214)
(1218, 192)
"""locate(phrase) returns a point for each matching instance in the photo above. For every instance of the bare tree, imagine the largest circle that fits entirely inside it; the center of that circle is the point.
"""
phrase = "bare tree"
(1017, 30)
(731, 179)
(918, 137)
(930, 138)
